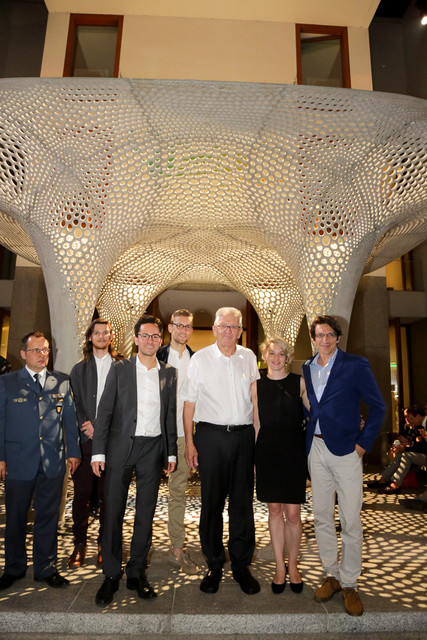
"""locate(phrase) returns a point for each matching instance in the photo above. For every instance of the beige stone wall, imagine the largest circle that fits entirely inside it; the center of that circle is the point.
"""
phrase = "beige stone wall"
(55, 45)
(201, 48)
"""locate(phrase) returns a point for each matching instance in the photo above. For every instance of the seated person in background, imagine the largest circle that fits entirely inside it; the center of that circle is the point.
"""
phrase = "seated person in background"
(409, 442)
(419, 503)
(417, 455)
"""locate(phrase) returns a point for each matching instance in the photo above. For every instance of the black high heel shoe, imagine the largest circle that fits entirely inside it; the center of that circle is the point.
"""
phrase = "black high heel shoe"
(297, 587)
(279, 588)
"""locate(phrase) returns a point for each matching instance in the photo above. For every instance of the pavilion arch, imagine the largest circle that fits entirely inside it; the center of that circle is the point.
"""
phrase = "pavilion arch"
(145, 270)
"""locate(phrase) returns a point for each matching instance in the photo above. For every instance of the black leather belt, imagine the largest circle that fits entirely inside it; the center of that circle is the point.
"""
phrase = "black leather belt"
(318, 435)
(225, 427)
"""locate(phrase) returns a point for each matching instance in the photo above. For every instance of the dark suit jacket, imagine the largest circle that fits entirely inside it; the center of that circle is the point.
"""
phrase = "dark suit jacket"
(338, 411)
(84, 383)
(115, 424)
(163, 352)
(34, 423)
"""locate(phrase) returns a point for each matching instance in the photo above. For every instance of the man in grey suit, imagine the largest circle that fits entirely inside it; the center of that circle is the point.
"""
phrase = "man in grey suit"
(135, 430)
(37, 425)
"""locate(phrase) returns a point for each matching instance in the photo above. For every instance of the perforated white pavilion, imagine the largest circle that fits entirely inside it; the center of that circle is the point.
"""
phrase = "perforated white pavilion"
(121, 189)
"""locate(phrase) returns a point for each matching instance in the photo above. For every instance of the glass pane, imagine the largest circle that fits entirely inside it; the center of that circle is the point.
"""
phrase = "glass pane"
(321, 61)
(95, 51)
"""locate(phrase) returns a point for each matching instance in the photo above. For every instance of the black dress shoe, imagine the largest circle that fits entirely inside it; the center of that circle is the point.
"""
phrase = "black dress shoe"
(296, 587)
(376, 484)
(210, 582)
(390, 491)
(106, 591)
(8, 579)
(142, 587)
(247, 582)
(54, 580)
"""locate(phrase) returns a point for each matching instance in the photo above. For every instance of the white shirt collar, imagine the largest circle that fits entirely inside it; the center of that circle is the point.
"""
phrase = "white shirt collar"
(143, 367)
(220, 354)
(41, 373)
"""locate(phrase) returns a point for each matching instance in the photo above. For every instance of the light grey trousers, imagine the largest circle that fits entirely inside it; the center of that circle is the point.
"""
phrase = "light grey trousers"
(340, 475)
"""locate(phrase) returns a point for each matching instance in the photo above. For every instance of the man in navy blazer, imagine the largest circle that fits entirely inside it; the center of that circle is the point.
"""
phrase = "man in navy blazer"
(336, 382)
(135, 430)
(38, 428)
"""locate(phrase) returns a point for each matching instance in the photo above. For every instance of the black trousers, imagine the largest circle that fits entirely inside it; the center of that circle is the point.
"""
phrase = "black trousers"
(226, 467)
(146, 460)
(46, 494)
(83, 480)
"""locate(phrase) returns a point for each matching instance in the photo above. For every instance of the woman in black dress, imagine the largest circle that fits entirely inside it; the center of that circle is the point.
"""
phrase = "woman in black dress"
(281, 466)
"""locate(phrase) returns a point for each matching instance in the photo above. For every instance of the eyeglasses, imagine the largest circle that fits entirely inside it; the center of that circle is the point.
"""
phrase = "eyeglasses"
(36, 351)
(101, 333)
(155, 337)
(320, 336)
(179, 325)
(228, 327)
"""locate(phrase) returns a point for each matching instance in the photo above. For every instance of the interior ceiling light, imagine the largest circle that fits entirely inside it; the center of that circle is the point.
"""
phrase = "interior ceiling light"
(422, 7)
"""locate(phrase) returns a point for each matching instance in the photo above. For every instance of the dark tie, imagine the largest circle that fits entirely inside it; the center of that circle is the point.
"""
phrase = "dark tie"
(37, 381)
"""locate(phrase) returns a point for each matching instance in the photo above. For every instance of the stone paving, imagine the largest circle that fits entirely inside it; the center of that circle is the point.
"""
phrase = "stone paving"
(393, 584)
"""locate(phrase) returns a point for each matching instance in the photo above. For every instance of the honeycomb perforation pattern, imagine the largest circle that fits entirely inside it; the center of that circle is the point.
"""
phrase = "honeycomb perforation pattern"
(123, 188)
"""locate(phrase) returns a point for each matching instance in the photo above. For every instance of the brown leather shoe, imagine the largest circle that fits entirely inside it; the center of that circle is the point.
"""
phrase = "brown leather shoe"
(99, 557)
(352, 602)
(329, 587)
(78, 556)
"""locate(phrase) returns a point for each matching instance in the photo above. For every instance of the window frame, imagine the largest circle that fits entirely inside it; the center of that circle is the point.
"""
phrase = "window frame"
(89, 19)
(330, 32)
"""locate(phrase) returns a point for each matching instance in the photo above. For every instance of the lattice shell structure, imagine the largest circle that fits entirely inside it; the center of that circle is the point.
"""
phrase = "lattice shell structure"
(121, 189)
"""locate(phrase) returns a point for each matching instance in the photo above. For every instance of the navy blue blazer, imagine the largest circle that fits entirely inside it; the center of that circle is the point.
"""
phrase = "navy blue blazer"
(338, 411)
(36, 426)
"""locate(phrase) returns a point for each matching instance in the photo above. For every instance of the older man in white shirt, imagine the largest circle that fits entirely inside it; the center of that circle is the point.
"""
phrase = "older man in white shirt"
(220, 396)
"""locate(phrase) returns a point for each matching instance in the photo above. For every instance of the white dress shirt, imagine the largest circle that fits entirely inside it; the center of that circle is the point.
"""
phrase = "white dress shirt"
(220, 385)
(102, 368)
(148, 393)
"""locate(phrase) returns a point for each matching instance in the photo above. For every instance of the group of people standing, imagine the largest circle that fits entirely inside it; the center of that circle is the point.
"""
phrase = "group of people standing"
(170, 408)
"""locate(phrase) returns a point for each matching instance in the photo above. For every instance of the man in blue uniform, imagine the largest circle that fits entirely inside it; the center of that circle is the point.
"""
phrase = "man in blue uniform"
(37, 425)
